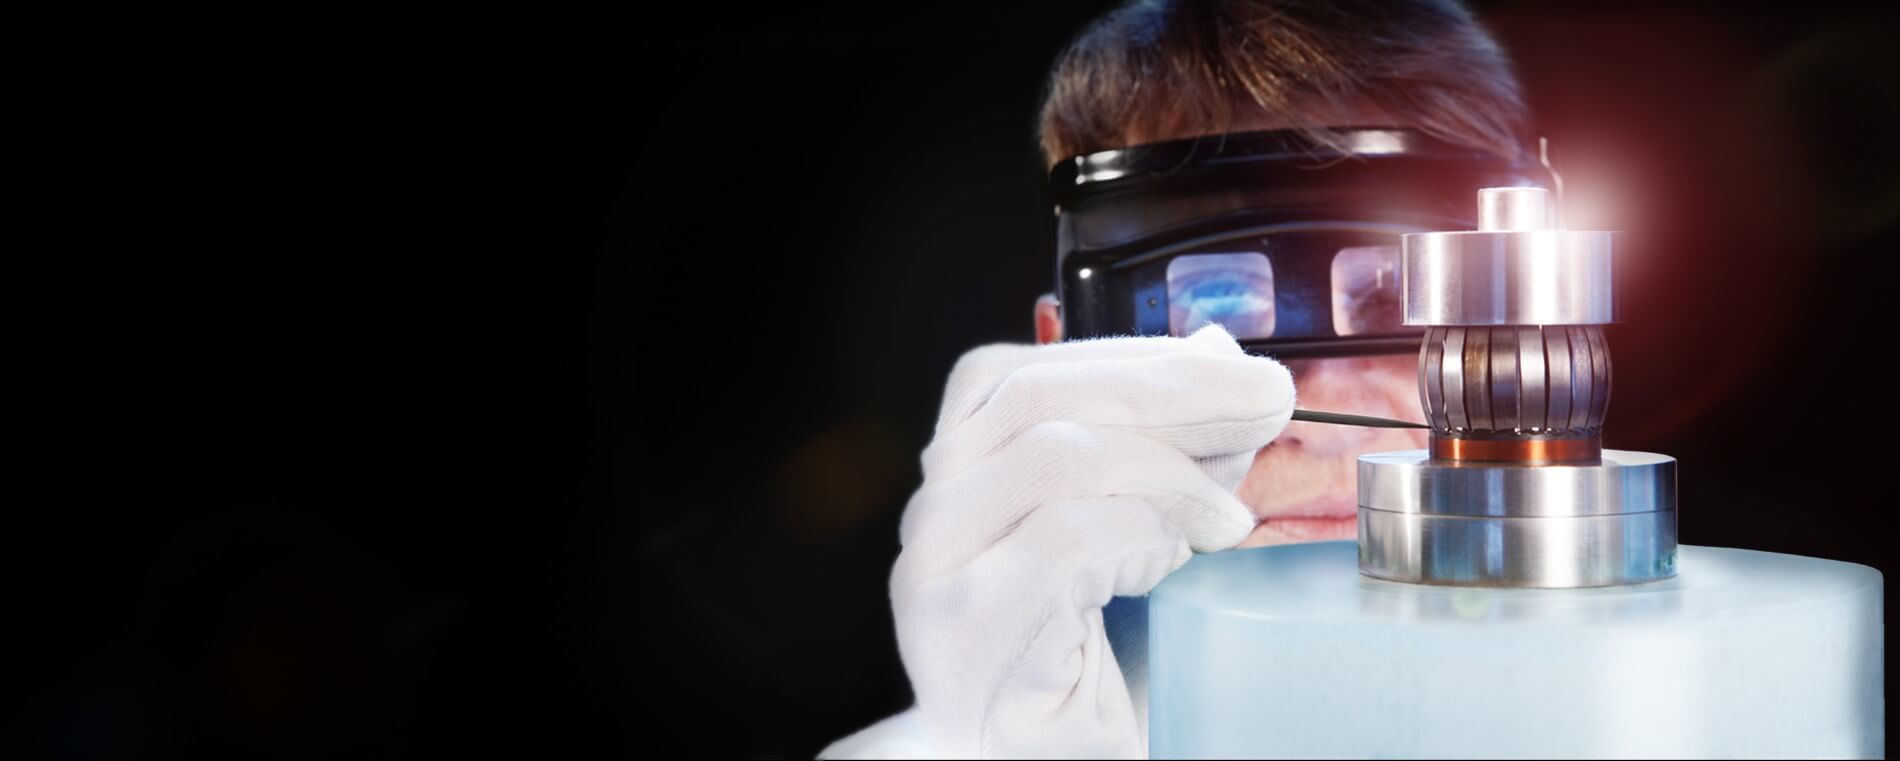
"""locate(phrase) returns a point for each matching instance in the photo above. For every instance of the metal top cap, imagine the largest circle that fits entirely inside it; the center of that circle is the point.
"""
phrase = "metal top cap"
(1515, 269)
(1508, 209)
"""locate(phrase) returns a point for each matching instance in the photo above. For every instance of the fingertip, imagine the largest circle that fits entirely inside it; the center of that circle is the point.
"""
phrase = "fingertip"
(1183, 553)
(1227, 524)
(1278, 382)
(1281, 374)
(1228, 469)
(1216, 337)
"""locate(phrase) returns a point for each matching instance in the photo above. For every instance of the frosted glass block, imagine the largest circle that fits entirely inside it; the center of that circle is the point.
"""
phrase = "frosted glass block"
(1289, 652)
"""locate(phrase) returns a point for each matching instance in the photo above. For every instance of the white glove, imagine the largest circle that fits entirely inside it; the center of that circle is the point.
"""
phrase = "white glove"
(1060, 476)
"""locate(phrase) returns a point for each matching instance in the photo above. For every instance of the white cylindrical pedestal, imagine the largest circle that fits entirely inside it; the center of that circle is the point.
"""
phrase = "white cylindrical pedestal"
(1290, 652)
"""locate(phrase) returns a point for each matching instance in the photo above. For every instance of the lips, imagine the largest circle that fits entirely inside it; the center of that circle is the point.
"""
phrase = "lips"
(1315, 521)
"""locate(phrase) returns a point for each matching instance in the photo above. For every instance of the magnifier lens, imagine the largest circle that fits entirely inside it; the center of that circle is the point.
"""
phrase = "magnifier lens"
(1365, 290)
(1233, 290)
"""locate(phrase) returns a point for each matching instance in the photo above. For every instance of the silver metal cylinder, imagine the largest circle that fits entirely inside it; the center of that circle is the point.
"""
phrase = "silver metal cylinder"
(1515, 277)
(1514, 209)
(1425, 521)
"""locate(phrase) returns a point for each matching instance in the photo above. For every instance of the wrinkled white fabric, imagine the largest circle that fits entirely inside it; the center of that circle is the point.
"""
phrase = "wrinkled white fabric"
(1061, 476)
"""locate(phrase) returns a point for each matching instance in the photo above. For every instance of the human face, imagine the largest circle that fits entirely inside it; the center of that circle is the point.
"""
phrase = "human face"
(1303, 487)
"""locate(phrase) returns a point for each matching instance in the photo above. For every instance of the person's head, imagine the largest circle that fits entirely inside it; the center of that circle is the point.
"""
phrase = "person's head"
(1159, 70)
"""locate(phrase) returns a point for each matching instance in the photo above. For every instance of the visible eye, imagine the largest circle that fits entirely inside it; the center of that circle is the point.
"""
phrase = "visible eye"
(1234, 291)
(1366, 297)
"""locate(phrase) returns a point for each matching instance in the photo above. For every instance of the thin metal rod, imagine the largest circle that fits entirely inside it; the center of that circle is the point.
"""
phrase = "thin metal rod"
(1363, 421)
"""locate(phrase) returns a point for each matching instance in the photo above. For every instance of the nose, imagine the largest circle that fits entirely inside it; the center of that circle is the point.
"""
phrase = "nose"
(1317, 440)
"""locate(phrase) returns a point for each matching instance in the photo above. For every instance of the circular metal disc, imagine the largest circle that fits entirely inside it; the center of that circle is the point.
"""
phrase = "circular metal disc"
(1411, 482)
(1431, 522)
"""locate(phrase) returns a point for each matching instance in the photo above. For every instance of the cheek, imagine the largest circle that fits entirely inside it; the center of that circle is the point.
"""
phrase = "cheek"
(1379, 386)
(1360, 400)
(1312, 464)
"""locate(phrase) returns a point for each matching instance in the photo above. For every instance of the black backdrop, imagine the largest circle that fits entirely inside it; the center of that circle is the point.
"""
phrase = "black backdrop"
(457, 385)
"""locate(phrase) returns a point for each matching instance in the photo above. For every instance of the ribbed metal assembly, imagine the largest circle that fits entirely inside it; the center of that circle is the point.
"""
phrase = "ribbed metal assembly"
(1544, 381)
(1515, 489)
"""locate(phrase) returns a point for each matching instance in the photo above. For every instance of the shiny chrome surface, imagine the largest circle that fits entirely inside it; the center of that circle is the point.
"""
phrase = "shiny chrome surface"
(1411, 482)
(1432, 522)
(1516, 277)
(1514, 209)
(1554, 552)
(1515, 381)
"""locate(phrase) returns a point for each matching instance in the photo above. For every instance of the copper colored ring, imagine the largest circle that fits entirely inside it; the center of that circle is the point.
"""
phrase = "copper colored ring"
(1518, 450)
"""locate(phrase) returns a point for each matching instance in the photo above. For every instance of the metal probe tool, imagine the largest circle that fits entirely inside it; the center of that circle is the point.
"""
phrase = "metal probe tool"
(1363, 421)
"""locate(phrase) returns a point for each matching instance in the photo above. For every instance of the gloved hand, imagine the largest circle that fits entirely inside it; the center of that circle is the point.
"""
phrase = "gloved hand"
(1060, 476)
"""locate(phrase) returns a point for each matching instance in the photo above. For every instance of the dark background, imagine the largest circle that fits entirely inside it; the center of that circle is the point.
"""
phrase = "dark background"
(428, 387)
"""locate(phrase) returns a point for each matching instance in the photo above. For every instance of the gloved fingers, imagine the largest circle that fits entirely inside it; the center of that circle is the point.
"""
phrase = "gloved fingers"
(979, 372)
(1060, 477)
(1067, 680)
(1102, 547)
(1067, 699)
(1056, 461)
(1228, 470)
(1202, 404)
(1071, 554)
(1016, 632)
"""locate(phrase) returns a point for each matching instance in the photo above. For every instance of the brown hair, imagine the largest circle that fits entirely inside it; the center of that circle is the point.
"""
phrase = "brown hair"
(1165, 69)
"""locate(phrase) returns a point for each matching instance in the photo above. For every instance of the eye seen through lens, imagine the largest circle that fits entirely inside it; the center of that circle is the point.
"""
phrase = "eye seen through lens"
(1365, 292)
(1234, 291)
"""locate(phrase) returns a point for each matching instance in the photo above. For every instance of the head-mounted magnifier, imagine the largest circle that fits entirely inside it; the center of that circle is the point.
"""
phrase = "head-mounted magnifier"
(1290, 243)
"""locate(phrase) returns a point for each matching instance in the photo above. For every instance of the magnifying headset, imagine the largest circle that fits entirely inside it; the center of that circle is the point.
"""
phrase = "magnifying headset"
(1290, 243)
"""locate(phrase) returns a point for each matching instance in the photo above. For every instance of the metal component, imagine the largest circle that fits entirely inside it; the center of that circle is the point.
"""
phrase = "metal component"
(1533, 389)
(1514, 377)
(1363, 421)
(1452, 383)
(1411, 482)
(1506, 413)
(1513, 209)
(1477, 378)
(1522, 450)
(1531, 277)
(1431, 522)
(1431, 396)
(1558, 384)
(1515, 382)
(1588, 551)
(1556, 181)
(1600, 370)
